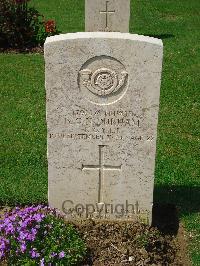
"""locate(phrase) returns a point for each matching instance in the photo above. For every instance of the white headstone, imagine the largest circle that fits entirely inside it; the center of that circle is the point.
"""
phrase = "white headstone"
(102, 112)
(103, 15)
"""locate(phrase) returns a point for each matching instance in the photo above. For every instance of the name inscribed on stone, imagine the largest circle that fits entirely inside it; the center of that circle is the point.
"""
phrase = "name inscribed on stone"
(108, 124)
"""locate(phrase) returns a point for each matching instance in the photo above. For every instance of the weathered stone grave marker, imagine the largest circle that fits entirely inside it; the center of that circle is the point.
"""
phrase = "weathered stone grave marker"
(107, 15)
(102, 111)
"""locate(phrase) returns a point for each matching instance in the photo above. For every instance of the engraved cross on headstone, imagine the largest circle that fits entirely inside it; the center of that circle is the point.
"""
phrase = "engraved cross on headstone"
(107, 15)
(101, 167)
(107, 12)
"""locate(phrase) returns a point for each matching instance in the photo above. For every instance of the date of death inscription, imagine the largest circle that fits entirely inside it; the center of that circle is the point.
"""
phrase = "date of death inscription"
(101, 125)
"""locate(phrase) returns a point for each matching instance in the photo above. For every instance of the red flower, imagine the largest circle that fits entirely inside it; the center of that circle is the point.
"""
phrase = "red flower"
(50, 26)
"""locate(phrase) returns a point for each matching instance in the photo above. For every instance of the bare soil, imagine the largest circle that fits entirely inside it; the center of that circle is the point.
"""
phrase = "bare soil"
(126, 243)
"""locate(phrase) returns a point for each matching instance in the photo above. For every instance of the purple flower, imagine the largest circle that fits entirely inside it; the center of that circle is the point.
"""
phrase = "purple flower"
(9, 229)
(1, 254)
(61, 254)
(4, 245)
(42, 262)
(34, 254)
(38, 217)
(22, 236)
(33, 231)
(23, 248)
(21, 226)
(53, 254)
(31, 237)
(6, 221)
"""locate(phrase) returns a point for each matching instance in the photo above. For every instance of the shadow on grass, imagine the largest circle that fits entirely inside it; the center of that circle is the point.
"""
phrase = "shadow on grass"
(161, 36)
(172, 202)
(165, 218)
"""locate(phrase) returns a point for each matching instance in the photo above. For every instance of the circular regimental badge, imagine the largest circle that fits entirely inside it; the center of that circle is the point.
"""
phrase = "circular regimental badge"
(103, 80)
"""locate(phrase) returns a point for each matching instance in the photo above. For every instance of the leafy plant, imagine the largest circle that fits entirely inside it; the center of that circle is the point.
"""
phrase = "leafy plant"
(38, 235)
(22, 26)
(146, 238)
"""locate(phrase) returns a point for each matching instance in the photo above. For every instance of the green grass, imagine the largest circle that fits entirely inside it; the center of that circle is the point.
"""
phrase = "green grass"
(24, 166)
(23, 129)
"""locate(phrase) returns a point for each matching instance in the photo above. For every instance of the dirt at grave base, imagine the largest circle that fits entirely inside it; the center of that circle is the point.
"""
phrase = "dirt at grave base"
(126, 243)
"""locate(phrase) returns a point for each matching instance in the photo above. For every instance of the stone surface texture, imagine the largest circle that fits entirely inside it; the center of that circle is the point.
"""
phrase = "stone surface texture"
(102, 92)
(102, 15)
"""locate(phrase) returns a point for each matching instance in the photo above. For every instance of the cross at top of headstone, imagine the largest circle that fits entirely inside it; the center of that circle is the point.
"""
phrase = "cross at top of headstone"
(107, 15)
(107, 12)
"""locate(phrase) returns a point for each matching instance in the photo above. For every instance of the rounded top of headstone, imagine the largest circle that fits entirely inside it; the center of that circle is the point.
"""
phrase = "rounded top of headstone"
(102, 35)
